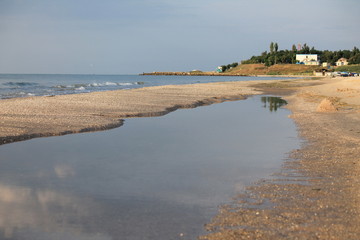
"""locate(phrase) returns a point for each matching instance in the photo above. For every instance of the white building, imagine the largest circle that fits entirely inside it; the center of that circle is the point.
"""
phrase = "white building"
(342, 62)
(326, 65)
(308, 59)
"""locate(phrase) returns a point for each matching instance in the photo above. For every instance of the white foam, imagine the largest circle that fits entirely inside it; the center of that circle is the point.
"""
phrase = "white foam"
(80, 89)
(125, 84)
(110, 84)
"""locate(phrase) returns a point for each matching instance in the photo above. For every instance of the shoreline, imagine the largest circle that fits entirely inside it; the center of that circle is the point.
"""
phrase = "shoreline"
(31, 117)
(316, 195)
(44, 116)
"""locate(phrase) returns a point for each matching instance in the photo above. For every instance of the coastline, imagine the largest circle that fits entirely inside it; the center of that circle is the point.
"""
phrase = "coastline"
(225, 74)
(314, 197)
(26, 118)
(31, 117)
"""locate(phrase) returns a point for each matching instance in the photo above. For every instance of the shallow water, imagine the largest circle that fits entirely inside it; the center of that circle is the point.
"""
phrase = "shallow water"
(153, 178)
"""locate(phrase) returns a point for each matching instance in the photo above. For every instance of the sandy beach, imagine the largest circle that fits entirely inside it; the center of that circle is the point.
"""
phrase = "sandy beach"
(25, 118)
(315, 196)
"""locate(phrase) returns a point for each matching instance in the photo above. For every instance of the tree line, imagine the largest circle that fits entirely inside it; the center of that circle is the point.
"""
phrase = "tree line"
(274, 56)
(229, 66)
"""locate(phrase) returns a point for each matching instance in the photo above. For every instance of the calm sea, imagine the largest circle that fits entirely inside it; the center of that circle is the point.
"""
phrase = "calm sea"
(24, 85)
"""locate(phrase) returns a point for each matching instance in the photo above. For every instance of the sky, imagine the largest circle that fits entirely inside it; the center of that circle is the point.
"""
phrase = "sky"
(135, 36)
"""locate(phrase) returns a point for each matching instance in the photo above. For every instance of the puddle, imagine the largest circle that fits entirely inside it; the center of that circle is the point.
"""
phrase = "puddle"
(153, 178)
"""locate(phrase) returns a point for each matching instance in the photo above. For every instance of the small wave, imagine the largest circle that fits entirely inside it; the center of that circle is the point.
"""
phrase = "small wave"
(80, 88)
(125, 84)
(20, 84)
(75, 86)
(16, 95)
(109, 84)
(104, 84)
(78, 85)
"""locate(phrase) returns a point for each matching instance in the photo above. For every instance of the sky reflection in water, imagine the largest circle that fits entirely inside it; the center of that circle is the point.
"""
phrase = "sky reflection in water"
(153, 178)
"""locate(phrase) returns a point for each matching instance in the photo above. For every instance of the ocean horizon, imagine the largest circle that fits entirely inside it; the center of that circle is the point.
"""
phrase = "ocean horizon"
(27, 85)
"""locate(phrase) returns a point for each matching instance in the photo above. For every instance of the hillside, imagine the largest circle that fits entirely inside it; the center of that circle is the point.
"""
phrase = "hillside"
(278, 69)
(251, 70)
(349, 68)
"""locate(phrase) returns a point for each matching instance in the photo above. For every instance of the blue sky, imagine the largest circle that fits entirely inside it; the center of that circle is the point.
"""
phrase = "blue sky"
(134, 36)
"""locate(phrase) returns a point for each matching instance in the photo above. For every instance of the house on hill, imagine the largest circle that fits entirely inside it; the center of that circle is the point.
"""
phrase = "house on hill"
(342, 62)
(308, 59)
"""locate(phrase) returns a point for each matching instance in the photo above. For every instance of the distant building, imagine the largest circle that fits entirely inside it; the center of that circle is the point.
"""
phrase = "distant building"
(219, 69)
(326, 65)
(342, 62)
(308, 59)
(322, 73)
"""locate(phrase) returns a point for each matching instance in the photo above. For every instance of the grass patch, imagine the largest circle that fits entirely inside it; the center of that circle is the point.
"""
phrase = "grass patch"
(349, 68)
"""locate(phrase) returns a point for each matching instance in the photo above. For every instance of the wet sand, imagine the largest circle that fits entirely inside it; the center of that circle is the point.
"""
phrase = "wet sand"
(25, 118)
(316, 195)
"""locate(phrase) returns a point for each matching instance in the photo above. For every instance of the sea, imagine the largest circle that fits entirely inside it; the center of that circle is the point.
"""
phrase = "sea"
(25, 85)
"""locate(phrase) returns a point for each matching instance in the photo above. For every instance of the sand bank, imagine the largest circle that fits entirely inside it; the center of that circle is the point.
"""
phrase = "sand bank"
(316, 195)
(25, 118)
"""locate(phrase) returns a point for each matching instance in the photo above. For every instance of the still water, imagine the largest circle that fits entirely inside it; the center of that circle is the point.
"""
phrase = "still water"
(153, 178)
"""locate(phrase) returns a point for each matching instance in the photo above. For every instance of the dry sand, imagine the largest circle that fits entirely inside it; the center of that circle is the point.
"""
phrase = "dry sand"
(315, 196)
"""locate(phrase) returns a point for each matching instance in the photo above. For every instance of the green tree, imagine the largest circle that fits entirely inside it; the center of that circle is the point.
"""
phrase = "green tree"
(271, 47)
(235, 64)
(276, 47)
(288, 56)
(355, 51)
(305, 49)
(355, 59)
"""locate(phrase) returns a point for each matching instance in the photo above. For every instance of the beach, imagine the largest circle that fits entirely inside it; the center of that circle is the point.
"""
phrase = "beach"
(316, 194)
(25, 118)
(314, 197)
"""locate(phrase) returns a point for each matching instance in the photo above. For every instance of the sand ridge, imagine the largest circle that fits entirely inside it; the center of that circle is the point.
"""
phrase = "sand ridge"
(25, 118)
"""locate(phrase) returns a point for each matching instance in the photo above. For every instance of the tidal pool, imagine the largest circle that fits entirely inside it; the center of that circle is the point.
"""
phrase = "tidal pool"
(153, 178)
